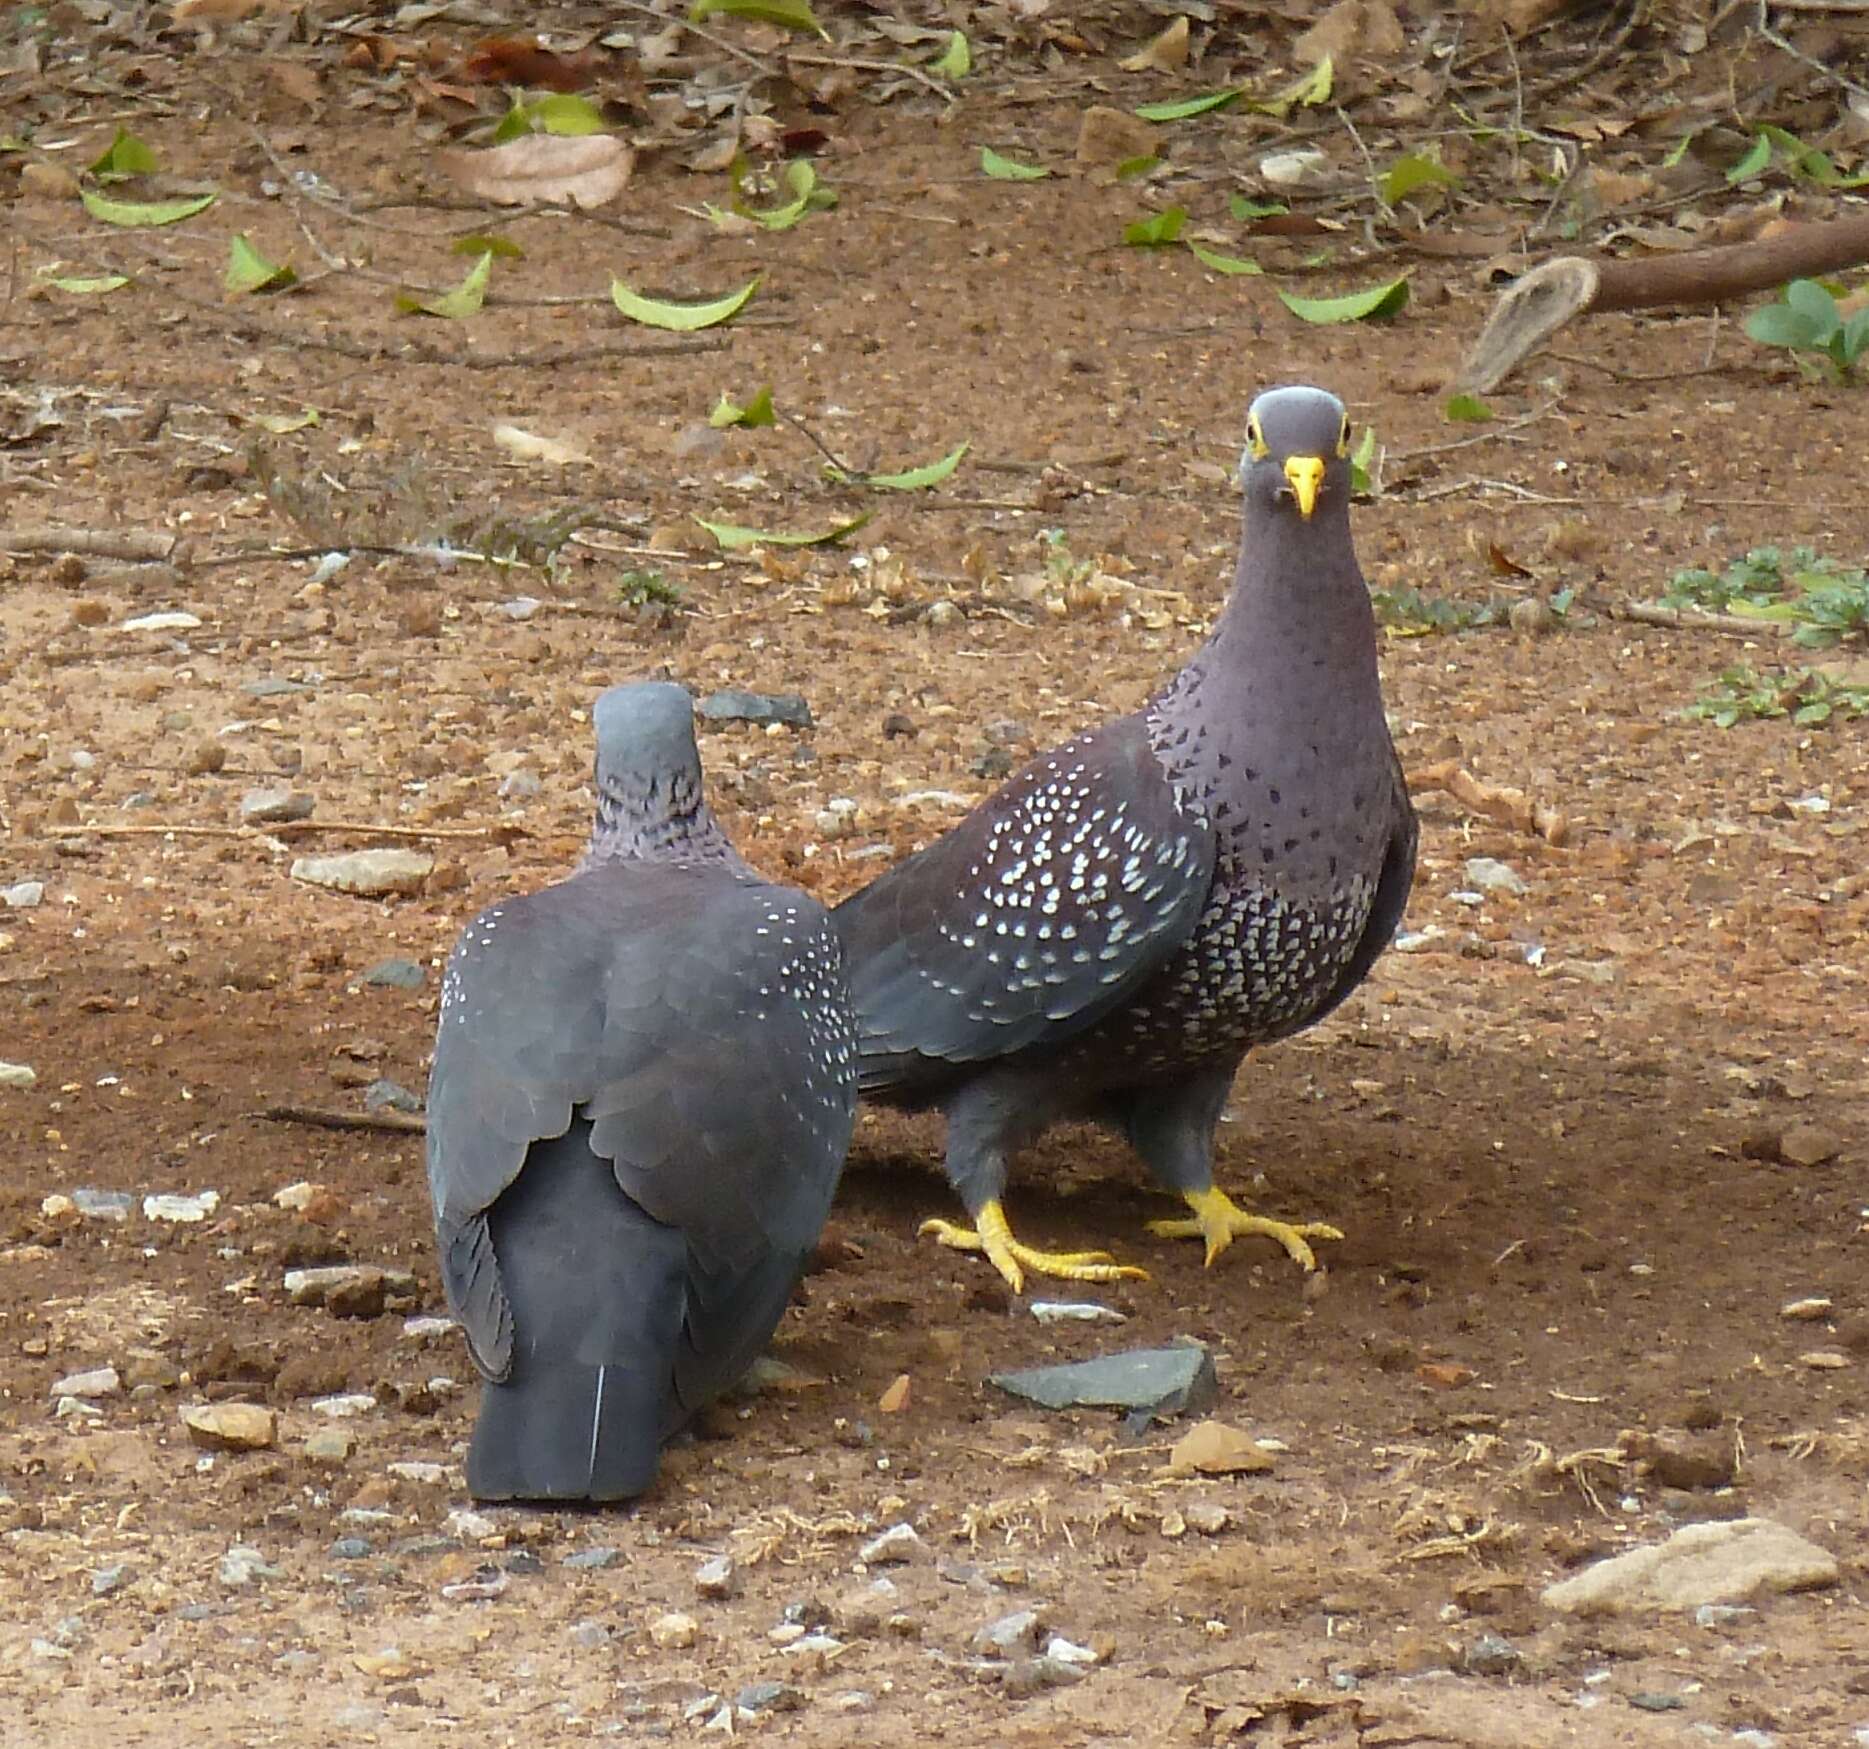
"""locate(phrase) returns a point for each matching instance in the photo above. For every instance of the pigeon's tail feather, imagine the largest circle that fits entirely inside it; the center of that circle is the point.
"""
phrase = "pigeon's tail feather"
(567, 1432)
(598, 1290)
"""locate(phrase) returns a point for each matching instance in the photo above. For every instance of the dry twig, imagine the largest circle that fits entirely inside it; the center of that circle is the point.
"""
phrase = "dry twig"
(396, 1123)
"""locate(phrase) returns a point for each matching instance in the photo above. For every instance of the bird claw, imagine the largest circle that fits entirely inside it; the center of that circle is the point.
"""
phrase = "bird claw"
(994, 1237)
(1219, 1221)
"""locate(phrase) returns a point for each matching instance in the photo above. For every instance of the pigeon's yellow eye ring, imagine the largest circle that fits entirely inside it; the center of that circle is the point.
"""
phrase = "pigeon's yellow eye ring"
(1255, 441)
(1343, 440)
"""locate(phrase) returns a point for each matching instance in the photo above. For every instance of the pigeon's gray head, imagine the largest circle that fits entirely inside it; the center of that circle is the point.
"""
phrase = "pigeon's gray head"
(1297, 451)
(645, 736)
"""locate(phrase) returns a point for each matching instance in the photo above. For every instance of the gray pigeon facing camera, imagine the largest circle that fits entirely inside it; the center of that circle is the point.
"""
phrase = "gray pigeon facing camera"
(1109, 934)
(642, 1095)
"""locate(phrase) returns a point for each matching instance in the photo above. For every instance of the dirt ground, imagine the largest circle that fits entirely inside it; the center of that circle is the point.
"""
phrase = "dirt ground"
(1559, 1132)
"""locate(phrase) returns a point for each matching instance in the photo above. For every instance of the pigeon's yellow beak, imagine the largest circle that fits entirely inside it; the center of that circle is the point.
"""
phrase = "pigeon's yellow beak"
(1306, 474)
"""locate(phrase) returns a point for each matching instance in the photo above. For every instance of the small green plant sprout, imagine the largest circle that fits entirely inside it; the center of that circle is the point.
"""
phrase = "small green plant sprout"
(1062, 566)
(639, 588)
(1807, 696)
(1807, 320)
(1823, 602)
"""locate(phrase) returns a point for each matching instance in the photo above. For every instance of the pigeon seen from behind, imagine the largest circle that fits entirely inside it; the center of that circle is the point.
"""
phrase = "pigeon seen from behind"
(1109, 934)
(642, 1095)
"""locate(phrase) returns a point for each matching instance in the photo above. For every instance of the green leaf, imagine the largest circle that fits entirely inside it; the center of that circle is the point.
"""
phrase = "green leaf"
(1780, 325)
(1812, 302)
(956, 60)
(1157, 230)
(464, 300)
(1679, 150)
(131, 214)
(1364, 462)
(789, 14)
(125, 156)
(1466, 409)
(731, 535)
(1410, 175)
(919, 479)
(485, 243)
(93, 287)
(680, 318)
(1855, 336)
(249, 271)
(756, 412)
(1307, 90)
(1184, 107)
(808, 197)
(1378, 303)
(1131, 168)
(1212, 258)
(1753, 162)
(1245, 210)
(283, 424)
(557, 112)
(1008, 170)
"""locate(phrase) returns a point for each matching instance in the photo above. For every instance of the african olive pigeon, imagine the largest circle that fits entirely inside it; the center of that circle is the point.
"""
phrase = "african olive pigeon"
(1109, 934)
(642, 1094)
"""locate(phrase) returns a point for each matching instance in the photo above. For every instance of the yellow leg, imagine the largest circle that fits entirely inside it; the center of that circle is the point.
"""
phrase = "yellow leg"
(993, 1236)
(1218, 1221)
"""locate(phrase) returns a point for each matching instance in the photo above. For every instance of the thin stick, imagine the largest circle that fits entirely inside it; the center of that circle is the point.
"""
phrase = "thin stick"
(863, 66)
(1504, 429)
(289, 829)
(1650, 613)
(395, 1123)
(140, 546)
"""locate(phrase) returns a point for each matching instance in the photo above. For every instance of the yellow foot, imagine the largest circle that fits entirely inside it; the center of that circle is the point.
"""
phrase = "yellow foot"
(1219, 1222)
(994, 1237)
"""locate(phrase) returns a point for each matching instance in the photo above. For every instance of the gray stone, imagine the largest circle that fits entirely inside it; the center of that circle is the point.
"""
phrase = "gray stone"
(394, 974)
(1161, 1382)
(520, 785)
(1009, 1635)
(1490, 1655)
(370, 874)
(103, 1205)
(97, 1381)
(23, 895)
(1724, 1562)
(351, 1548)
(113, 1578)
(591, 1560)
(17, 1075)
(273, 686)
(244, 1565)
(1028, 1676)
(591, 1636)
(769, 1697)
(274, 805)
(1490, 875)
(893, 1546)
(384, 1094)
(730, 705)
(717, 1577)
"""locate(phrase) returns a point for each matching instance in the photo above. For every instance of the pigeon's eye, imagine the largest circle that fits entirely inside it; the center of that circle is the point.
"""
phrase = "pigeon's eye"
(1343, 437)
(1255, 441)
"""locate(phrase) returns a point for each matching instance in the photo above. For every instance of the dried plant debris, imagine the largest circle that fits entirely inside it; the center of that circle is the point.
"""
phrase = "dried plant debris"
(410, 512)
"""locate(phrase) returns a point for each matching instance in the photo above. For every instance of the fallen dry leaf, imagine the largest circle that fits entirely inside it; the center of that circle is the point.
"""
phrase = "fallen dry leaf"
(585, 170)
(1363, 27)
(1444, 1375)
(528, 446)
(1215, 1449)
(513, 60)
(1108, 137)
(1162, 53)
(894, 1400)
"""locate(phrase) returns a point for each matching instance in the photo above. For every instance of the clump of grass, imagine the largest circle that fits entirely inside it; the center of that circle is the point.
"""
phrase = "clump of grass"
(1824, 602)
(643, 588)
(1807, 696)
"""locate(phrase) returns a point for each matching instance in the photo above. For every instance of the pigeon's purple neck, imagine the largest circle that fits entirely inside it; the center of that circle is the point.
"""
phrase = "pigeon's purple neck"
(657, 816)
(1296, 642)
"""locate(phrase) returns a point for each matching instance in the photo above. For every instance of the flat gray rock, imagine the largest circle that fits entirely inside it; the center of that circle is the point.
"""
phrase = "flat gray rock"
(394, 974)
(1725, 1562)
(730, 705)
(369, 873)
(1162, 1381)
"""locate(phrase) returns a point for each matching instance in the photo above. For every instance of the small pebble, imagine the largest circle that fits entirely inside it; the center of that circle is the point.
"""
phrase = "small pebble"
(272, 806)
(1490, 875)
(23, 895)
(367, 873)
(328, 1446)
(591, 1560)
(230, 1426)
(419, 1470)
(674, 1632)
(351, 1548)
(384, 1094)
(470, 1526)
(716, 1578)
(103, 1205)
(1009, 1635)
(730, 705)
(99, 1381)
(520, 786)
(769, 1697)
(344, 1405)
(1809, 1310)
(113, 1578)
(181, 1210)
(896, 1544)
(17, 1075)
(242, 1565)
(394, 974)
(592, 1636)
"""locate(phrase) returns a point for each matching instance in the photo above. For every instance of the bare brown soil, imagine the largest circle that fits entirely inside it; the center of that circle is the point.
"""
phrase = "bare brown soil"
(1571, 1229)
